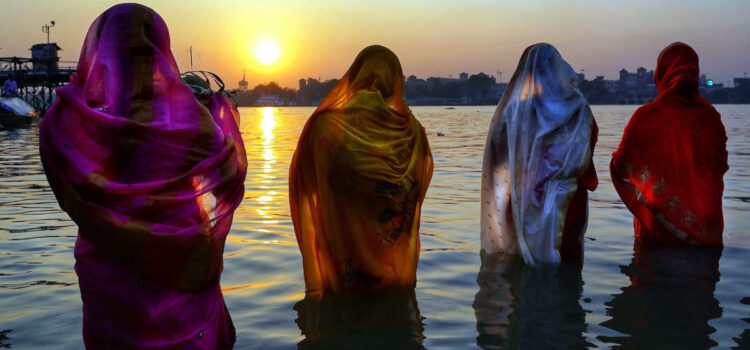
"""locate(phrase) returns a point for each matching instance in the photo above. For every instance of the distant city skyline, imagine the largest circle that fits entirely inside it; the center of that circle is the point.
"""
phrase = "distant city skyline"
(431, 38)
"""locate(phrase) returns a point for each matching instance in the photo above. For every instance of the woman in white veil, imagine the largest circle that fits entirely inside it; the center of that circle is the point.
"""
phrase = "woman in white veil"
(538, 163)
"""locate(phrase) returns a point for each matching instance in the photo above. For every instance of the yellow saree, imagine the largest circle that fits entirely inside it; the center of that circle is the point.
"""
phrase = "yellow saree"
(357, 180)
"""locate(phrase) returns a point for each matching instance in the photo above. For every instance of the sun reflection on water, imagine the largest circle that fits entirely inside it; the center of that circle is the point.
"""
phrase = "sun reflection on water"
(263, 214)
(267, 124)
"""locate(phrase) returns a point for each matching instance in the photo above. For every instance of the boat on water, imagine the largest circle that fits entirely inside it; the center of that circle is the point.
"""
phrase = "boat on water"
(16, 113)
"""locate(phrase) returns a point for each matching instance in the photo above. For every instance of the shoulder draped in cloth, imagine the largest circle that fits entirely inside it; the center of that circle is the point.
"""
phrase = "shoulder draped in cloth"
(357, 181)
(671, 161)
(152, 178)
(537, 163)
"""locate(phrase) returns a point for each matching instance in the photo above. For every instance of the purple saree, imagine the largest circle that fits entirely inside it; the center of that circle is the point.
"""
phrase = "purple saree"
(152, 178)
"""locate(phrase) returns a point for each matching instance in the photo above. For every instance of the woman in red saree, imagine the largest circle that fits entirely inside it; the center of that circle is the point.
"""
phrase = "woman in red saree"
(151, 177)
(669, 167)
(357, 181)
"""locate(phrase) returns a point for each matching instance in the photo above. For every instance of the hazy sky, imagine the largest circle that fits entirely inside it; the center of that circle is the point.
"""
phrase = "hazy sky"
(320, 38)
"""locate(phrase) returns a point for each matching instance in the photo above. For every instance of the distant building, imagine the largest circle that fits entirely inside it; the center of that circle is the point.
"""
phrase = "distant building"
(636, 88)
(483, 89)
(415, 83)
(595, 91)
(627, 80)
(742, 89)
(243, 82)
(44, 57)
(269, 100)
(644, 77)
(610, 85)
(312, 91)
(412, 79)
(740, 83)
(476, 89)
(436, 82)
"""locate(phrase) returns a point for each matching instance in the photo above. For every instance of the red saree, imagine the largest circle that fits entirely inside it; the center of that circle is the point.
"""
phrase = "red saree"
(669, 167)
(576, 219)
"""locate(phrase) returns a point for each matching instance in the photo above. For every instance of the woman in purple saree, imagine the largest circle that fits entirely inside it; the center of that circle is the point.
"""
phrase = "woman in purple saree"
(152, 178)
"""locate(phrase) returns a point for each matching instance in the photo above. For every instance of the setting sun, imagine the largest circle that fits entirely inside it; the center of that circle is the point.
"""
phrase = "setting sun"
(267, 52)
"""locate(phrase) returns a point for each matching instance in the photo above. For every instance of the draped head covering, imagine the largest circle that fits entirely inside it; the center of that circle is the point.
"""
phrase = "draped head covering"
(677, 70)
(671, 161)
(151, 177)
(375, 69)
(357, 181)
(539, 144)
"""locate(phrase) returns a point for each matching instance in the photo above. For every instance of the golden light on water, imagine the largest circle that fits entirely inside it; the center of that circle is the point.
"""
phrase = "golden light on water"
(267, 125)
(266, 202)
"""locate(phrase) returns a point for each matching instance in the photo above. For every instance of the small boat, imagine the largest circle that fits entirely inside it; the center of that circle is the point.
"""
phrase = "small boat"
(16, 113)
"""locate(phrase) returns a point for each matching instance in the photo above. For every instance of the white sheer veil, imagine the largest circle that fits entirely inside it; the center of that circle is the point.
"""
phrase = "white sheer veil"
(538, 144)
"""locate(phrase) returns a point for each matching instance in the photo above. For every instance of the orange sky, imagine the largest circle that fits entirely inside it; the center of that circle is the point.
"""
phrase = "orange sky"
(321, 38)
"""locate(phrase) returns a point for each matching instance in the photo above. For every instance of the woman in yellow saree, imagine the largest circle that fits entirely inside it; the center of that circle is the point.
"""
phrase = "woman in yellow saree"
(357, 180)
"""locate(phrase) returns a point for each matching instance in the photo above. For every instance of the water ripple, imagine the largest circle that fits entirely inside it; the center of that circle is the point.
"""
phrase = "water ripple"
(262, 279)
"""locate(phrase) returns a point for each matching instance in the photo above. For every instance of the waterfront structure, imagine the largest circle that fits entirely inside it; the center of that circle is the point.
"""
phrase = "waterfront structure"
(243, 82)
(482, 89)
(44, 57)
(475, 89)
(269, 100)
(38, 76)
(636, 88)
(742, 89)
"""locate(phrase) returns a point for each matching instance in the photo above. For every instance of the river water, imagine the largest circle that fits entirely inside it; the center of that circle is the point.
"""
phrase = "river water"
(658, 299)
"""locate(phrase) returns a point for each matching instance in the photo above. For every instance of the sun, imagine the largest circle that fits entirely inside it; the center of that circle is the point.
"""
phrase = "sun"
(267, 52)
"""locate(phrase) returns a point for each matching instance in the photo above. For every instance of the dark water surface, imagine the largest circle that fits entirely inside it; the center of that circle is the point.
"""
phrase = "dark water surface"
(658, 299)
